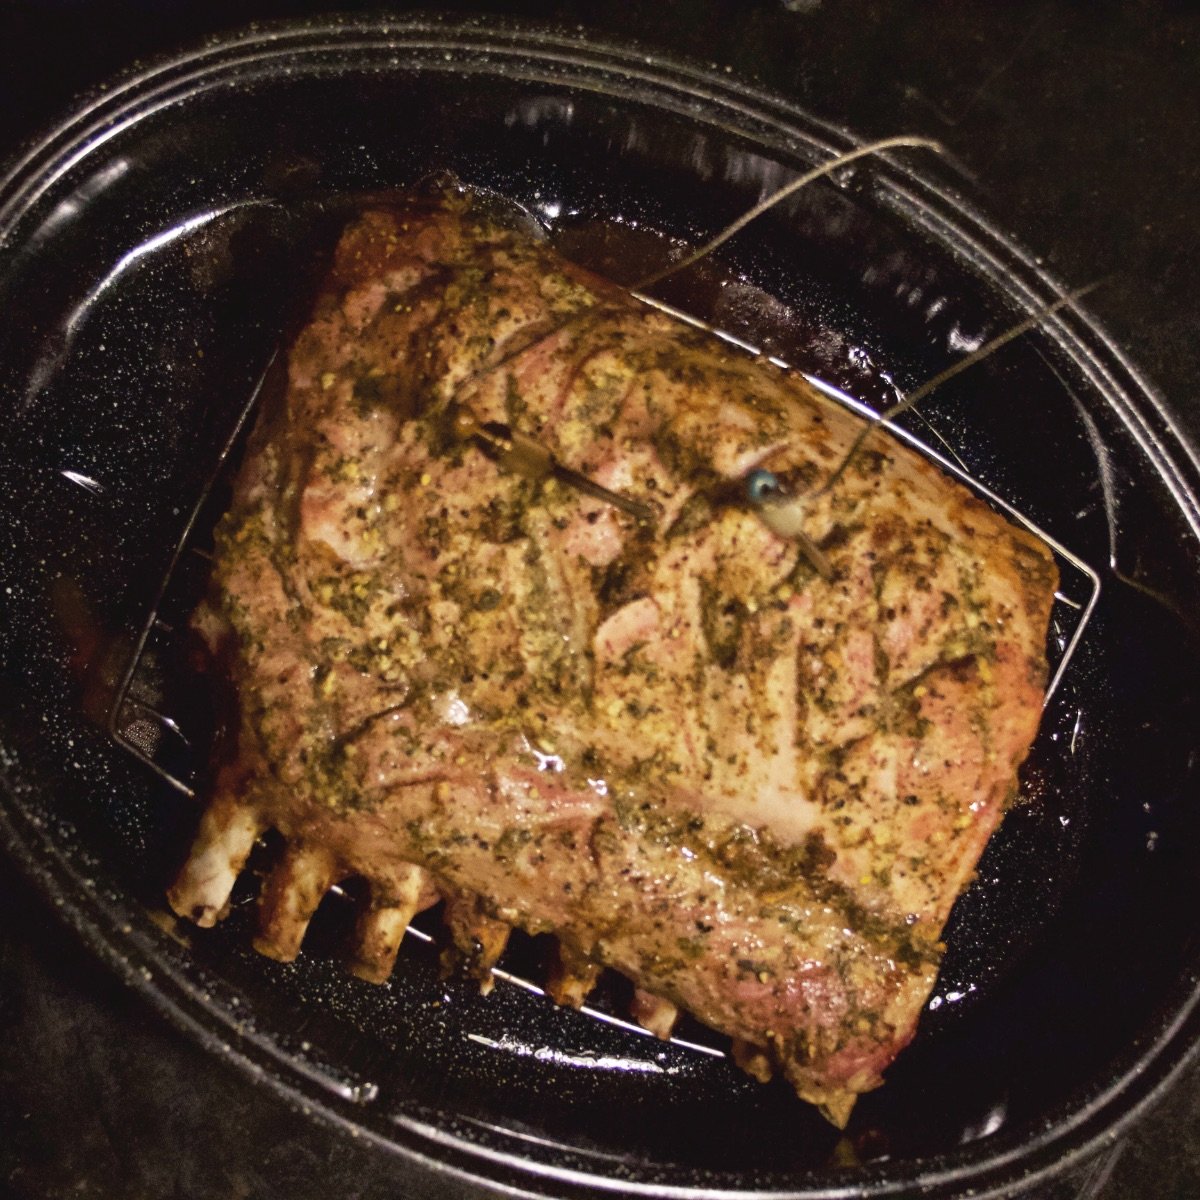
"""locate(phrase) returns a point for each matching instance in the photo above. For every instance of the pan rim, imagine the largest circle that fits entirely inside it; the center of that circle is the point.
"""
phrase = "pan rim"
(1070, 1135)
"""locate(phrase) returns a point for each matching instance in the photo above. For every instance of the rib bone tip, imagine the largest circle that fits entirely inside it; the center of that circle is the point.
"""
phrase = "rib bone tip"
(654, 1013)
(269, 947)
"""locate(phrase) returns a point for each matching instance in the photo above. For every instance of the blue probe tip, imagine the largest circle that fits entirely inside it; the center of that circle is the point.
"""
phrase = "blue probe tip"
(761, 486)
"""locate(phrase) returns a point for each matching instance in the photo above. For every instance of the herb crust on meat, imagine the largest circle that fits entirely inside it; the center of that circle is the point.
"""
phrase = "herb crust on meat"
(754, 787)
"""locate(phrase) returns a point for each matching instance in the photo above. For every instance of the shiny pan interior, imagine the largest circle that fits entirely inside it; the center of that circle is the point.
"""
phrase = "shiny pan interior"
(157, 248)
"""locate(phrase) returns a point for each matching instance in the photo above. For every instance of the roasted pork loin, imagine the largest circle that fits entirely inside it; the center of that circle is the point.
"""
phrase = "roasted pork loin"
(752, 778)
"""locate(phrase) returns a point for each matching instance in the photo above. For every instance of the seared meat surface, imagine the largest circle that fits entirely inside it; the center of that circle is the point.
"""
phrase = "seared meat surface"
(753, 786)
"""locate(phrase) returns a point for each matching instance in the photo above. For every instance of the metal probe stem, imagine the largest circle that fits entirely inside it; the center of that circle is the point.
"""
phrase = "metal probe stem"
(524, 456)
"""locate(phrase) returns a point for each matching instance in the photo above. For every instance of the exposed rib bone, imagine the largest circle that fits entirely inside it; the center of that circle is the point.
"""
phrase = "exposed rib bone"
(572, 977)
(377, 939)
(837, 1108)
(223, 842)
(752, 1059)
(654, 1013)
(479, 939)
(381, 927)
(290, 897)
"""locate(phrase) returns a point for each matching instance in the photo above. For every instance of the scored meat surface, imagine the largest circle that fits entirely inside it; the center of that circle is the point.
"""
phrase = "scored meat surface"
(753, 786)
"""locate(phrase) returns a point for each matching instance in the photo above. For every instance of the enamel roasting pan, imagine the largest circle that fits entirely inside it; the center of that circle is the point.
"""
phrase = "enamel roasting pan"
(155, 249)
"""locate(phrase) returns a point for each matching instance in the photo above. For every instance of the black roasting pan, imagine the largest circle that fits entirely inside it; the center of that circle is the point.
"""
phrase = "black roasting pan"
(156, 247)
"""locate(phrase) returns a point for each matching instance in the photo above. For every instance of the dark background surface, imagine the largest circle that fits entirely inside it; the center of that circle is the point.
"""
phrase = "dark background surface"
(1080, 124)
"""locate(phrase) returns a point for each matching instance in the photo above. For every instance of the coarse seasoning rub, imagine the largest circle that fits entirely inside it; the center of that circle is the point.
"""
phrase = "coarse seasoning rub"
(753, 786)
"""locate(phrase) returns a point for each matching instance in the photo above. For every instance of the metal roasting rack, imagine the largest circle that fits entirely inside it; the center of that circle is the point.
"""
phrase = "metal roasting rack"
(138, 723)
